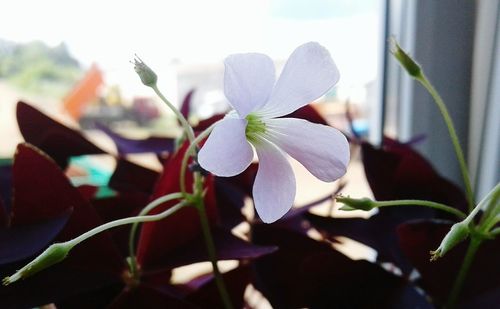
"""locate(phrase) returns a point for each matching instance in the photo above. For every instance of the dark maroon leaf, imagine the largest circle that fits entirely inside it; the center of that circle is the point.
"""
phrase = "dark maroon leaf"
(158, 238)
(245, 180)
(296, 220)
(41, 190)
(22, 241)
(5, 187)
(398, 172)
(489, 299)
(129, 176)
(126, 145)
(204, 124)
(230, 200)
(4, 215)
(378, 232)
(55, 284)
(99, 297)
(88, 191)
(186, 104)
(309, 113)
(147, 296)
(117, 207)
(236, 281)
(418, 238)
(308, 273)
(228, 247)
(59, 141)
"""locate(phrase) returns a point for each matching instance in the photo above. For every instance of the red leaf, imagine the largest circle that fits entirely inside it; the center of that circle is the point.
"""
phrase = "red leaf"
(160, 237)
(309, 113)
(129, 176)
(59, 141)
(42, 191)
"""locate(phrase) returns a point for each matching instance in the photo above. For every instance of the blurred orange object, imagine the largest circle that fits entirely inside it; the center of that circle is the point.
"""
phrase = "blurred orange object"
(84, 92)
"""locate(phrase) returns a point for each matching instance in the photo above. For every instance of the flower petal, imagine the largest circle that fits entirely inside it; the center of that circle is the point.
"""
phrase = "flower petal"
(323, 150)
(226, 151)
(274, 187)
(248, 81)
(308, 74)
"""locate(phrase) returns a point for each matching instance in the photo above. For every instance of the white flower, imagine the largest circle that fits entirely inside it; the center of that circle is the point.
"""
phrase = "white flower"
(250, 87)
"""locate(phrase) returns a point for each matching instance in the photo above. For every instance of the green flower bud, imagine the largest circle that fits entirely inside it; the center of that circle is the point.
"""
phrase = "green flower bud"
(148, 76)
(458, 232)
(355, 204)
(404, 59)
(52, 255)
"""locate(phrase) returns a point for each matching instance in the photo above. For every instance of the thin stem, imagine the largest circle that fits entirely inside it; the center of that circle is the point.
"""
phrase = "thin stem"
(430, 204)
(135, 225)
(454, 138)
(189, 152)
(187, 128)
(495, 232)
(459, 281)
(207, 235)
(125, 221)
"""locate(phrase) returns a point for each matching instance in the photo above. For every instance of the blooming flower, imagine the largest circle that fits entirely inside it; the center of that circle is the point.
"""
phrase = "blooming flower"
(258, 101)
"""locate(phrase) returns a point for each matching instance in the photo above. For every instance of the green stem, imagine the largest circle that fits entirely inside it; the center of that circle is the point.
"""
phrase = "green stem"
(454, 138)
(459, 281)
(185, 125)
(207, 235)
(430, 204)
(135, 225)
(189, 152)
(125, 221)
(200, 206)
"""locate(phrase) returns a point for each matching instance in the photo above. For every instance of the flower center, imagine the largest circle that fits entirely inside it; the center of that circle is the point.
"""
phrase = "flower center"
(255, 127)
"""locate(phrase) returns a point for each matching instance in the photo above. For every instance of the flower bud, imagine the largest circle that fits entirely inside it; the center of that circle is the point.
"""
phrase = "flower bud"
(52, 255)
(355, 204)
(458, 232)
(148, 76)
(404, 59)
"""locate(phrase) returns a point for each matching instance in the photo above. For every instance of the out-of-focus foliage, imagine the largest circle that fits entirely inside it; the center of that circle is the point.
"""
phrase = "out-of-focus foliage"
(37, 68)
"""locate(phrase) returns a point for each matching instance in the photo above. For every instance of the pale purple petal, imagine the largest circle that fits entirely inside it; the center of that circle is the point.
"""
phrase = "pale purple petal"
(323, 150)
(226, 151)
(248, 81)
(308, 74)
(274, 187)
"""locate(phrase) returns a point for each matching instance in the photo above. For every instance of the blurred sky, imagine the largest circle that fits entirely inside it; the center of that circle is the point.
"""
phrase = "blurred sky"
(189, 31)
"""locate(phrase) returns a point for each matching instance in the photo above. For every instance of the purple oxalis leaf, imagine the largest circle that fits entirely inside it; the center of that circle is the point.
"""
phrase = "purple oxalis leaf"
(308, 273)
(22, 241)
(418, 238)
(152, 144)
(129, 176)
(236, 280)
(57, 140)
(228, 247)
(186, 104)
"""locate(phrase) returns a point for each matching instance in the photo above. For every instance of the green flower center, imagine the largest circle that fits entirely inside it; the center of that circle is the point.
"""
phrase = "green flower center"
(255, 127)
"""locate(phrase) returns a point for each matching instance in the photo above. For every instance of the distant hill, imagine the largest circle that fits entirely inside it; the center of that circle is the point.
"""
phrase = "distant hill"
(37, 68)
